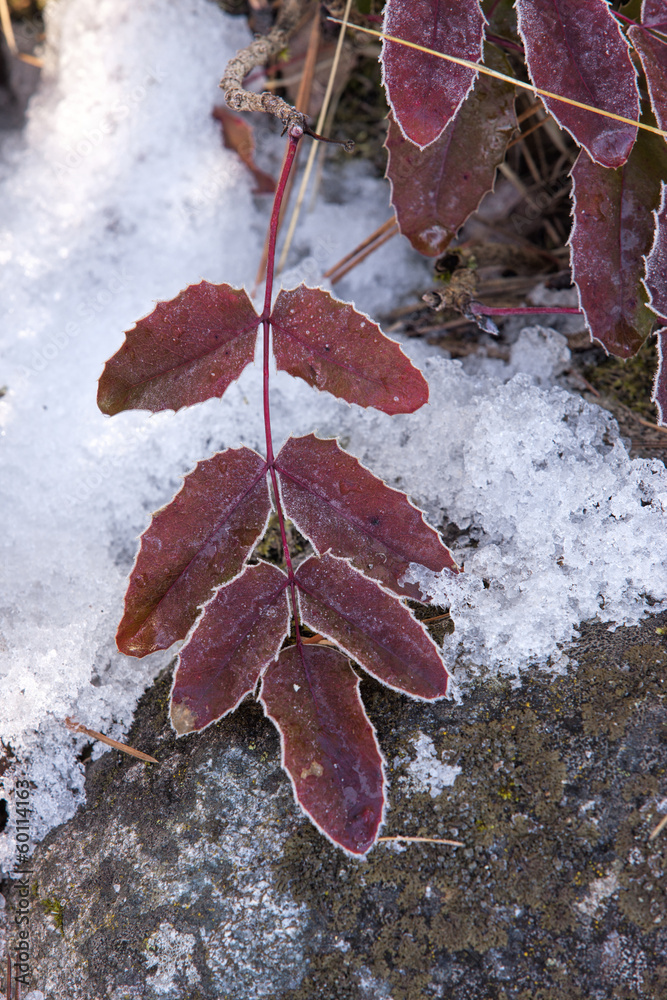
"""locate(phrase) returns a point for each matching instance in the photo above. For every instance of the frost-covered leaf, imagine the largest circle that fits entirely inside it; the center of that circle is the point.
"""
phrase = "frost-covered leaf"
(329, 748)
(237, 135)
(425, 92)
(654, 14)
(653, 54)
(659, 396)
(240, 632)
(195, 543)
(186, 351)
(341, 506)
(435, 190)
(332, 346)
(613, 228)
(656, 262)
(374, 627)
(576, 48)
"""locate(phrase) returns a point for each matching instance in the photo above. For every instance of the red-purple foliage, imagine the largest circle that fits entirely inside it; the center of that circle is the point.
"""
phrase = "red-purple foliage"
(425, 92)
(329, 747)
(195, 553)
(576, 50)
(195, 576)
(343, 508)
(434, 190)
(186, 351)
(332, 346)
(654, 14)
(613, 229)
(653, 54)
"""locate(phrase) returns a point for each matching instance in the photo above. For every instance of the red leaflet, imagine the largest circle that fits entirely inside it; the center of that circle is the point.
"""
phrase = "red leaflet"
(341, 506)
(192, 545)
(240, 632)
(435, 190)
(613, 227)
(329, 747)
(237, 135)
(576, 48)
(425, 92)
(653, 54)
(187, 350)
(656, 262)
(332, 346)
(374, 627)
(654, 14)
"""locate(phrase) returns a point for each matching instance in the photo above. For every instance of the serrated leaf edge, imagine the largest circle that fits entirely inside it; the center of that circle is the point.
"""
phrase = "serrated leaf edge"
(560, 125)
(366, 316)
(393, 489)
(657, 212)
(385, 30)
(383, 768)
(195, 626)
(167, 409)
(164, 506)
(352, 656)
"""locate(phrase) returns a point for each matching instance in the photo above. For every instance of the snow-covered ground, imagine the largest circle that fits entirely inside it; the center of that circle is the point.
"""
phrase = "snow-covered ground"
(118, 194)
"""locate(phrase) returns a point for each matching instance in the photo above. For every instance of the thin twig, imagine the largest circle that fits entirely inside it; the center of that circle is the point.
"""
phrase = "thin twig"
(362, 246)
(421, 840)
(256, 54)
(302, 102)
(661, 826)
(313, 149)
(76, 727)
(338, 272)
(7, 29)
(480, 68)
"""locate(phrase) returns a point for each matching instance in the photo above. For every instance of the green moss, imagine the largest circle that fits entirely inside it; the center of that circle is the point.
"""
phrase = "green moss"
(630, 382)
(558, 788)
(55, 909)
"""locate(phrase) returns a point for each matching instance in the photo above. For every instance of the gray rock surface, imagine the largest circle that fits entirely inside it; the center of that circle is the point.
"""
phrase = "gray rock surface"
(199, 878)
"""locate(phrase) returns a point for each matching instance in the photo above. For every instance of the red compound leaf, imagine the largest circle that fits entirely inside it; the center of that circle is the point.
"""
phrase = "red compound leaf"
(239, 634)
(188, 350)
(341, 506)
(654, 14)
(329, 748)
(197, 542)
(435, 190)
(613, 228)
(656, 262)
(576, 48)
(332, 346)
(374, 627)
(653, 54)
(425, 92)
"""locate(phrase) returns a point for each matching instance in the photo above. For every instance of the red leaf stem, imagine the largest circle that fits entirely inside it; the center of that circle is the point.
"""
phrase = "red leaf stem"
(294, 133)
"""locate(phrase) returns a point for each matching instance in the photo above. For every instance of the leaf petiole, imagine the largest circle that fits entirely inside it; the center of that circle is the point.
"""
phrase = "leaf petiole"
(295, 132)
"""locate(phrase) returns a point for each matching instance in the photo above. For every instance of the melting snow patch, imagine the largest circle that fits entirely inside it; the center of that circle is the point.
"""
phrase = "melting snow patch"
(118, 194)
(428, 771)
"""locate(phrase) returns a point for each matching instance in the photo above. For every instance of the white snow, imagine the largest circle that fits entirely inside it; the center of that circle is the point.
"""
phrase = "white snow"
(427, 772)
(119, 193)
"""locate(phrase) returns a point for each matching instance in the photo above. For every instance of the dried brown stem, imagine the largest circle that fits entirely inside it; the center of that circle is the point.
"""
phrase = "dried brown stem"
(258, 53)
